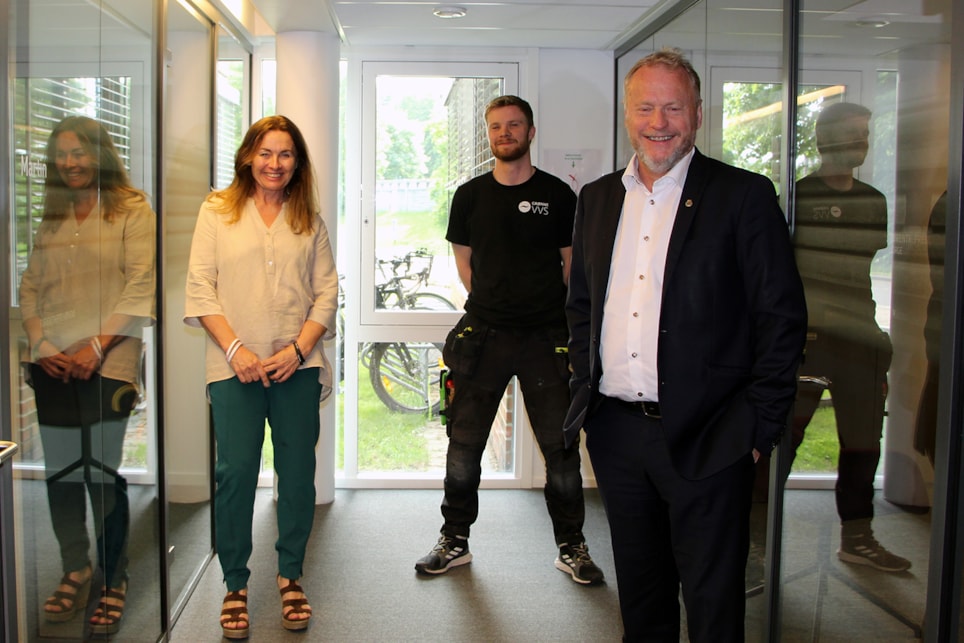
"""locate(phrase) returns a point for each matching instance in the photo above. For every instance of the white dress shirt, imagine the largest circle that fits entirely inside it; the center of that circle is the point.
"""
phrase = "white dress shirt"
(630, 328)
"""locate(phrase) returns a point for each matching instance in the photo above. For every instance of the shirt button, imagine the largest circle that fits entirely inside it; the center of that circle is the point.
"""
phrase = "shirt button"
(646, 238)
(635, 314)
(642, 277)
(634, 355)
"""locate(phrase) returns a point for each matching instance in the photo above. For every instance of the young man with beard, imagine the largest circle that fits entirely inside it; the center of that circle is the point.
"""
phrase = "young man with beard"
(511, 234)
(841, 224)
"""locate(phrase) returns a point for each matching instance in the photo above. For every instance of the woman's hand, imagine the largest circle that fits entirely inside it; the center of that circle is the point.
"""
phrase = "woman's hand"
(283, 364)
(84, 363)
(248, 367)
(53, 361)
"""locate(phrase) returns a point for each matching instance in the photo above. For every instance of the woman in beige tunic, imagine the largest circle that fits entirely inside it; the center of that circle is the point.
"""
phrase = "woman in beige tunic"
(85, 296)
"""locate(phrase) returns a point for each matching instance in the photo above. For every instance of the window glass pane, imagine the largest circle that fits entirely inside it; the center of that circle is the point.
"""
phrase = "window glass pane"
(429, 138)
(870, 167)
(230, 128)
(269, 93)
(752, 126)
(39, 104)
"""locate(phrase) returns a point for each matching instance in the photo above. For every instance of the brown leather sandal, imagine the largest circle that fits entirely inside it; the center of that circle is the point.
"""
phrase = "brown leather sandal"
(68, 603)
(294, 606)
(238, 616)
(110, 610)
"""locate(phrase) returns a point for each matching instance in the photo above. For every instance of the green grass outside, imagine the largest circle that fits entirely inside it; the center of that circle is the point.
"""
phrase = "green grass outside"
(415, 230)
(820, 449)
(386, 441)
(392, 442)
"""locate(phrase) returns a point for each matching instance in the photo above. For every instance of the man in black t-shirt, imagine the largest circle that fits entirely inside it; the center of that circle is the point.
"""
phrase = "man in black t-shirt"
(511, 234)
(841, 223)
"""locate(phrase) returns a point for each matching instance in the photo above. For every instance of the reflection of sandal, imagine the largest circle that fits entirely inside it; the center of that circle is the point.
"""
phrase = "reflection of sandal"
(294, 607)
(68, 603)
(236, 616)
(110, 610)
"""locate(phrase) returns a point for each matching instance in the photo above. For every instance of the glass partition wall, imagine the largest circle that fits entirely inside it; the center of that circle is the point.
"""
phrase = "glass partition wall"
(873, 118)
(81, 320)
(861, 163)
(107, 515)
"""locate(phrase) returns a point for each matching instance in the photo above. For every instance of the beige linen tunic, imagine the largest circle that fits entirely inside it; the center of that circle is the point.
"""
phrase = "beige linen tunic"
(78, 275)
(266, 281)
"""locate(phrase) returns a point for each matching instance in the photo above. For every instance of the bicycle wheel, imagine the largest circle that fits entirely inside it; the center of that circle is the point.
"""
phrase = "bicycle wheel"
(405, 375)
(429, 301)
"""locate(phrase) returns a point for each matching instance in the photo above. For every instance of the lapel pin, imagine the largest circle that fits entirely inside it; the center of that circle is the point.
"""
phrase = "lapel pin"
(689, 203)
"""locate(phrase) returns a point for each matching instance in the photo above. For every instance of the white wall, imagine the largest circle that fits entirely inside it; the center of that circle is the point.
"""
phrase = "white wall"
(574, 111)
(574, 118)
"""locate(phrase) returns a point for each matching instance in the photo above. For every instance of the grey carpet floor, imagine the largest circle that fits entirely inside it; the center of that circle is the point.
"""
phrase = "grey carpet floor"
(360, 579)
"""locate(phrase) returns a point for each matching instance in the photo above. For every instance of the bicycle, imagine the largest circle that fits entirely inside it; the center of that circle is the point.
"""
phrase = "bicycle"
(405, 375)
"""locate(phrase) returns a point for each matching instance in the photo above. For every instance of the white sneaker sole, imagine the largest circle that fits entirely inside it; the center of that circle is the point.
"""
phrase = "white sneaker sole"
(863, 560)
(561, 566)
(455, 562)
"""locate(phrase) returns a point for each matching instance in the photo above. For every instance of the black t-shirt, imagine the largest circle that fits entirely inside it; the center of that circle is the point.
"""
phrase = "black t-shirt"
(836, 237)
(515, 232)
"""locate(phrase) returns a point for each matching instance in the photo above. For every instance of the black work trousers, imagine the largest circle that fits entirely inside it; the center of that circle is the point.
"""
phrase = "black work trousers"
(857, 371)
(538, 359)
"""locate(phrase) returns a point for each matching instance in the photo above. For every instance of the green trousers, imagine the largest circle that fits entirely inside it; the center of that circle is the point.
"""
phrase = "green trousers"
(240, 411)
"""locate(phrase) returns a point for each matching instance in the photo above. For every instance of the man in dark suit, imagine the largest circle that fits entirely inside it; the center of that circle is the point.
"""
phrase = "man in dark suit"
(687, 321)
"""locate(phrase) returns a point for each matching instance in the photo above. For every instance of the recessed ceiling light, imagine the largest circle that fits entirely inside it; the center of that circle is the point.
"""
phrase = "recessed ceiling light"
(449, 12)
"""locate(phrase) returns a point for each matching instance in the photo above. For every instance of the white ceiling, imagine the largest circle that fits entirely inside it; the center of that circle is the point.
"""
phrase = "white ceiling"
(875, 27)
(872, 28)
(571, 24)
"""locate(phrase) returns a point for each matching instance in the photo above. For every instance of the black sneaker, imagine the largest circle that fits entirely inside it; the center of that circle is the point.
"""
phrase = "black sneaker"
(575, 561)
(865, 550)
(449, 551)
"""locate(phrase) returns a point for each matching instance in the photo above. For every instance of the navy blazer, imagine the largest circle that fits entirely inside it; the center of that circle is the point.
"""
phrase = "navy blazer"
(733, 320)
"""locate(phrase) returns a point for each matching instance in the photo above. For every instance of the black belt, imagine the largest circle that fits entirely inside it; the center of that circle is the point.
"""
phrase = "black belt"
(649, 409)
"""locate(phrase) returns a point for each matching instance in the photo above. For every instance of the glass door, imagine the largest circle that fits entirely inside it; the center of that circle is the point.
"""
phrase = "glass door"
(422, 136)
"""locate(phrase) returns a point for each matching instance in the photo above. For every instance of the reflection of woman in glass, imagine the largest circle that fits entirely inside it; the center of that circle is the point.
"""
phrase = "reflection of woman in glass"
(262, 283)
(86, 294)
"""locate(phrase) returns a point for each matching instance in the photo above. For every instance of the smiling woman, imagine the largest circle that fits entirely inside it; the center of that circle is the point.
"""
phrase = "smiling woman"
(262, 283)
(74, 164)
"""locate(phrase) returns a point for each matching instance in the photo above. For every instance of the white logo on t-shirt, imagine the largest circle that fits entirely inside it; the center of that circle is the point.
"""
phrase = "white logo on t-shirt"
(538, 207)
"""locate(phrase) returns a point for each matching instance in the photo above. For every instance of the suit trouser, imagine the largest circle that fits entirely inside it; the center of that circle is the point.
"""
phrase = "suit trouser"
(668, 531)
(543, 375)
(858, 377)
(240, 411)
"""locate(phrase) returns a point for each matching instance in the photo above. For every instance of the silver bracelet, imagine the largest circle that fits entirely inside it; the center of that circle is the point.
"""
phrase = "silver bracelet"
(233, 349)
(95, 344)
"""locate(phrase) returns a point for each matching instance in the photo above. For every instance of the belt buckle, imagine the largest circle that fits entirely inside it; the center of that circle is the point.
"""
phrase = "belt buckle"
(651, 410)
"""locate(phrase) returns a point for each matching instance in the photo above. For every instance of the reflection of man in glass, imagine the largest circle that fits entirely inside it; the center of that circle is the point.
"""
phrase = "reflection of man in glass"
(841, 223)
(86, 293)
